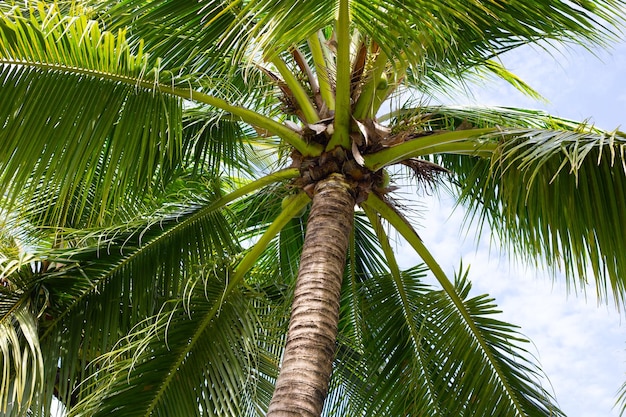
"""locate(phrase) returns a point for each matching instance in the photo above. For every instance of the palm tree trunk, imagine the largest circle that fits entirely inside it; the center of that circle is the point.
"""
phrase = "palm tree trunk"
(302, 384)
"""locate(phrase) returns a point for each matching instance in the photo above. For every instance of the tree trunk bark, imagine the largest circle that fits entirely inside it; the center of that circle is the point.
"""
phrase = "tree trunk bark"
(302, 385)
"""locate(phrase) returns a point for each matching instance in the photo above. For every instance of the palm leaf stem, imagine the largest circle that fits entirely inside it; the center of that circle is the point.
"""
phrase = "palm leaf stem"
(321, 68)
(455, 142)
(216, 205)
(389, 255)
(341, 136)
(295, 205)
(409, 316)
(364, 107)
(407, 231)
(246, 115)
(298, 91)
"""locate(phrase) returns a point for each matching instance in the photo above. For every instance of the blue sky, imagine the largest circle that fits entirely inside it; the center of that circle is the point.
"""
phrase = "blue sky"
(581, 345)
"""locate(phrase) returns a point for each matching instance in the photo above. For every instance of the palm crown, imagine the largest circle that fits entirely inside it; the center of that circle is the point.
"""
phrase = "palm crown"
(179, 176)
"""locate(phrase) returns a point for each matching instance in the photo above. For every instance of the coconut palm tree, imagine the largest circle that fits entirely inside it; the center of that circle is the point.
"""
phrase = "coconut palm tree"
(197, 199)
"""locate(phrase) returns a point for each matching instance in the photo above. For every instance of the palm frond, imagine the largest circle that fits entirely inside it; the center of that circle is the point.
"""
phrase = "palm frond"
(107, 287)
(510, 384)
(436, 40)
(68, 89)
(621, 402)
(463, 31)
(429, 376)
(202, 356)
(108, 97)
(105, 298)
(109, 282)
(21, 358)
(557, 196)
(551, 188)
(529, 390)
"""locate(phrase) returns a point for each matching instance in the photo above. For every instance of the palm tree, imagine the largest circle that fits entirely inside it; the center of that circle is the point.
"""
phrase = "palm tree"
(187, 182)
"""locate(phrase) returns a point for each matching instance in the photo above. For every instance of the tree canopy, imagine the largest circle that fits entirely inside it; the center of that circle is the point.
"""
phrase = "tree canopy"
(166, 164)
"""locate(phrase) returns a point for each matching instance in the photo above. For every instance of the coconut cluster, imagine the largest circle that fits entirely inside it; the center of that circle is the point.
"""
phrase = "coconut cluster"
(314, 169)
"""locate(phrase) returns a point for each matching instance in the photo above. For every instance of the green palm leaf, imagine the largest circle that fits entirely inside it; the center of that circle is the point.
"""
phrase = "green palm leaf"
(510, 386)
(200, 357)
(551, 188)
(190, 36)
(70, 88)
(427, 375)
(101, 85)
(21, 359)
(564, 206)
(113, 279)
(112, 292)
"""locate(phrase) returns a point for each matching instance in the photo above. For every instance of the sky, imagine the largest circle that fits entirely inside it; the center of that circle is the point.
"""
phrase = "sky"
(580, 344)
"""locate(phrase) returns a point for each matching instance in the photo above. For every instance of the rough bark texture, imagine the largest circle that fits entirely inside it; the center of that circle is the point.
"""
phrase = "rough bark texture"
(302, 385)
